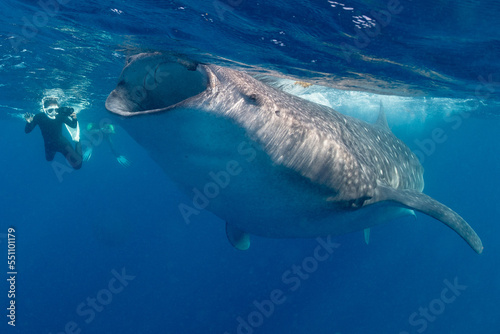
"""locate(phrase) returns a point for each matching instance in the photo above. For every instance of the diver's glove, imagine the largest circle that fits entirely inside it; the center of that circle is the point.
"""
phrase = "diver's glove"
(28, 117)
(87, 154)
(123, 161)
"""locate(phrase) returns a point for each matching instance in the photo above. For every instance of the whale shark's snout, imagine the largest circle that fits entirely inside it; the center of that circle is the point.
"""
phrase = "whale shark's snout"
(154, 84)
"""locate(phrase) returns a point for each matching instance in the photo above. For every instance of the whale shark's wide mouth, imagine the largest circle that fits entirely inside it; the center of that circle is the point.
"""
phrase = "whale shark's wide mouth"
(154, 84)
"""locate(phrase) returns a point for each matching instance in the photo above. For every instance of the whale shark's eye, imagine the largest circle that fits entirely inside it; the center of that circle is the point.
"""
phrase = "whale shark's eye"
(253, 98)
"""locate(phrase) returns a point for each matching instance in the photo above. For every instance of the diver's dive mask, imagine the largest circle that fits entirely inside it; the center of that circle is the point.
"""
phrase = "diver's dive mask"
(50, 106)
(51, 112)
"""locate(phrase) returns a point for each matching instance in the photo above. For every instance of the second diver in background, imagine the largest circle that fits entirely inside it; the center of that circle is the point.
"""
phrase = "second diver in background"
(104, 131)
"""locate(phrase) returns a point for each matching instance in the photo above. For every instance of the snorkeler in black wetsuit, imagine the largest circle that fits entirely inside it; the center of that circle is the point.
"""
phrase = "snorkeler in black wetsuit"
(50, 123)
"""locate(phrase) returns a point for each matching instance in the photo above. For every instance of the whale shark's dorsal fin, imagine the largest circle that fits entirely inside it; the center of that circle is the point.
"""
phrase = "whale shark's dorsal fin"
(239, 239)
(382, 120)
(416, 200)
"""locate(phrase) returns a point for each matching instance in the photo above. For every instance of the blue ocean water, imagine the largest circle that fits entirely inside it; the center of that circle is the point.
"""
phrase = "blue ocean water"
(105, 250)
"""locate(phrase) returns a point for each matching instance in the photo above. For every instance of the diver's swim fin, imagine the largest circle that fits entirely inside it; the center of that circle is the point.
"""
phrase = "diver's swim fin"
(74, 132)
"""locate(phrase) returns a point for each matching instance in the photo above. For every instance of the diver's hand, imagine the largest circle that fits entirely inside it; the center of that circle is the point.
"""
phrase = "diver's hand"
(123, 161)
(73, 115)
(87, 154)
(28, 117)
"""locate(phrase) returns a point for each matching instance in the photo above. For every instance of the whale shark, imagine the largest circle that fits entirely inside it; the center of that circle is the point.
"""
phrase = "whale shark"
(266, 162)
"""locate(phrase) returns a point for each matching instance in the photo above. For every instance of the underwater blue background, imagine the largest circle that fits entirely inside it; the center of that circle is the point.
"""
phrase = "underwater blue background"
(435, 64)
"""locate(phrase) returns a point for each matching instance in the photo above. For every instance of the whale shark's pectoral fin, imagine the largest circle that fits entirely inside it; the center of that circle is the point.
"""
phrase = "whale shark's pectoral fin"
(366, 233)
(418, 201)
(239, 239)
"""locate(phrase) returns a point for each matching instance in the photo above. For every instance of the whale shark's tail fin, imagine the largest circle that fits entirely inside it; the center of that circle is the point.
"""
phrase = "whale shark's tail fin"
(418, 201)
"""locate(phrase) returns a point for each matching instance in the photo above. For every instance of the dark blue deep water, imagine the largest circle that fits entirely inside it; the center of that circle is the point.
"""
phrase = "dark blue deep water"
(105, 250)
